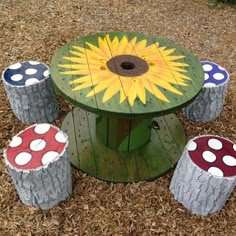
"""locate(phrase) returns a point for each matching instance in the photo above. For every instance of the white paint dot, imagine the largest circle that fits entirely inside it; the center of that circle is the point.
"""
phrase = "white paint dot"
(15, 66)
(30, 71)
(17, 77)
(16, 141)
(192, 146)
(216, 171)
(60, 137)
(208, 85)
(215, 144)
(206, 76)
(23, 158)
(229, 160)
(234, 147)
(221, 68)
(46, 73)
(207, 67)
(34, 62)
(31, 81)
(218, 76)
(37, 145)
(49, 157)
(42, 128)
(209, 156)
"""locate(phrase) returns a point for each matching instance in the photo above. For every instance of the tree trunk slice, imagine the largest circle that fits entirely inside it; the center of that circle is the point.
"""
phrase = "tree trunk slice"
(209, 103)
(32, 100)
(39, 166)
(201, 187)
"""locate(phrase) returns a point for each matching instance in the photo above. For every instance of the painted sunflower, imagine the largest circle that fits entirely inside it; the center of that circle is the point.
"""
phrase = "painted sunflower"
(127, 67)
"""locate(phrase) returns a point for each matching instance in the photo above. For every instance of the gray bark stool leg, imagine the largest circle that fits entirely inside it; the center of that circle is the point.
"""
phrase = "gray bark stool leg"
(38, 163)
(209, 103)
(30, 92)
(205, 174)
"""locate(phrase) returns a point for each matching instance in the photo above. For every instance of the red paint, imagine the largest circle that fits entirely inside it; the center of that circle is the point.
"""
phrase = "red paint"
(202, 145)
(28, 136)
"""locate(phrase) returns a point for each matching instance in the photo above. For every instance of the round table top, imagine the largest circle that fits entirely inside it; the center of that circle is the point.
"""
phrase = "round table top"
(126, 74)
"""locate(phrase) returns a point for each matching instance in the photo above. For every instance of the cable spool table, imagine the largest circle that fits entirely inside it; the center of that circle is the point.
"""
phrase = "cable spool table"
(121, 81)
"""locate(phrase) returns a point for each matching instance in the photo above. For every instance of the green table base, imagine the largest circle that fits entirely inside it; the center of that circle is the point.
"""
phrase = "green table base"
(146, 163)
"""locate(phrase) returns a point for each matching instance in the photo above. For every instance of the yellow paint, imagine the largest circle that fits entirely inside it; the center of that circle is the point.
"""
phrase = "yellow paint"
(90, 66)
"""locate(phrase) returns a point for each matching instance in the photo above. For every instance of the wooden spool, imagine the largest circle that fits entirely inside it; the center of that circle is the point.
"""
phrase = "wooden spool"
(205, 175)
(30, 92)
(38, 163)
(209, 103)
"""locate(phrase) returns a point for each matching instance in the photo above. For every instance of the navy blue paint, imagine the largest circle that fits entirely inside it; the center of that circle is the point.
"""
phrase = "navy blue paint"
(215, 70)
(41, 68)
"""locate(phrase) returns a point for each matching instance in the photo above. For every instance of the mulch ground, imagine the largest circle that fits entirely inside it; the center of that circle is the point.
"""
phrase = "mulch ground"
(34, 30)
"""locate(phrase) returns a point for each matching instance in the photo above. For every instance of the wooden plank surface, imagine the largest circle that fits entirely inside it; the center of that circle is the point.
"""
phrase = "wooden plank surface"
(91, 66)
(146, 163)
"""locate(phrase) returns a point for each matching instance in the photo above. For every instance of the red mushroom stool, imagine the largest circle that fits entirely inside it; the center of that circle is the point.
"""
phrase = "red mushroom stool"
(30, 92)
(38, 163)
(205, 174)
(209, 103)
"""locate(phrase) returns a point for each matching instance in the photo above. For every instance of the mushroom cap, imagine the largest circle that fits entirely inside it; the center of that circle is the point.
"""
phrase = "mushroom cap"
(35, 147)
(215, 75)
(213, 154)
(25, 73)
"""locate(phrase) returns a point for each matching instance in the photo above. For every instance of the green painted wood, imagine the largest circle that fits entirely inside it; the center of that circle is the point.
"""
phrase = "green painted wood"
(153, 105)
(123, 134)
(146, 163)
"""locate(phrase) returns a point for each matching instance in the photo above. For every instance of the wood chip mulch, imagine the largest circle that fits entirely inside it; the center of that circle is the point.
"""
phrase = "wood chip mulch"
(34, 30)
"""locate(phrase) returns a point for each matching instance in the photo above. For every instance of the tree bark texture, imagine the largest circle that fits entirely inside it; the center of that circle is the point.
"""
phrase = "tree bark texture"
(208, 104)
(35, 103)
(199, 191)
(44, 187)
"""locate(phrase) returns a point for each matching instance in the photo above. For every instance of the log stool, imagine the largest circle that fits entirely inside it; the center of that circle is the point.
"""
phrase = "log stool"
(205, 174)
(37, 161)
(209, 103)
(30, 92)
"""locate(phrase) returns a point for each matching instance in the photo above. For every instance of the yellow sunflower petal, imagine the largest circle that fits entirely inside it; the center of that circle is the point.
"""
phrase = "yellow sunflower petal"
(100, 87)
(140, 45)
(140, 90)
(83, 86)
(81, 49)
(75, 72)
(111, 91)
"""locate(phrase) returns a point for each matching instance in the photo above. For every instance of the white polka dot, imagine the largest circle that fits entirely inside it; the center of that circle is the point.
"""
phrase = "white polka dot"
(37, 145)
(209, 156)
(218, 76)
(34, 62)
(206, 76)
(23, 158)
(208, 85)
(207, 67)
(31, 81)
(60, 137)
(221, 68)
(17, 77)
(16, 141)
(30, 71)
(49, 157)
(42, 128)
(15, 66)
(234, 147)
(192, 146)
(229, 160)
(46, 73)
(215, 171)
(215, 144)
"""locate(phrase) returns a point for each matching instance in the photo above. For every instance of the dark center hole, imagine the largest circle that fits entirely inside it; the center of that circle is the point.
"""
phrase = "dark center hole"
(127, 65)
